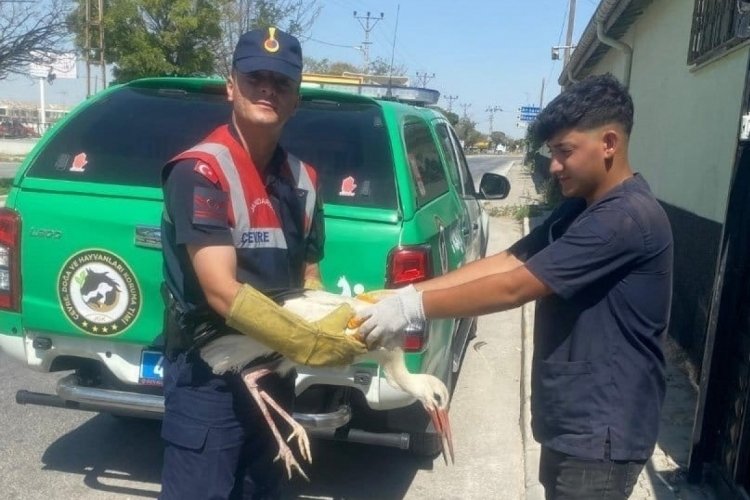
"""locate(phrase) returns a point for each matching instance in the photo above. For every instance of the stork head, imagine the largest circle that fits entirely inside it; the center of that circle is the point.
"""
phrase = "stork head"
(434, 395)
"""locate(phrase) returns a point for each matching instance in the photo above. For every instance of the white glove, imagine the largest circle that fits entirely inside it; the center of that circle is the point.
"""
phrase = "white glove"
(387, 319)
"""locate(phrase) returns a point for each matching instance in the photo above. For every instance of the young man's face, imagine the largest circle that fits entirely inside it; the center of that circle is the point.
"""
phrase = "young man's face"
(580, 160)
(262, 98)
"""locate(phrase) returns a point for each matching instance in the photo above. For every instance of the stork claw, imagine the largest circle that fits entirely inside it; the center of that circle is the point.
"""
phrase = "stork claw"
(290, 462)
(440, 421)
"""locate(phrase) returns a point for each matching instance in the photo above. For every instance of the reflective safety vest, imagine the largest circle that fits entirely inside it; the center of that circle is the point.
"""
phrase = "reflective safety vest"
(270, 244)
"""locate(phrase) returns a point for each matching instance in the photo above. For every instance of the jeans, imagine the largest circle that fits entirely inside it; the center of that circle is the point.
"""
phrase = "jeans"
(565, 477)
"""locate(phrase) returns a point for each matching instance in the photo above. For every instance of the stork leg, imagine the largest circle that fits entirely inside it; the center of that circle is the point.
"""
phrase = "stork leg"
(263, 400)
(440, 421)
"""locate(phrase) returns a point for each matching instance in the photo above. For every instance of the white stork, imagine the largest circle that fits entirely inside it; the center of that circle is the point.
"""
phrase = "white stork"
(231, 353)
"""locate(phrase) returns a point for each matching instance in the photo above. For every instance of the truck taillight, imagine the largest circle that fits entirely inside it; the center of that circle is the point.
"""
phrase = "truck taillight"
(407, 265)
(10, 260)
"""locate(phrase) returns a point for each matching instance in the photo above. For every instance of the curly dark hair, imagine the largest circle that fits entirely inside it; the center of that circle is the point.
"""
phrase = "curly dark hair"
(592, 102)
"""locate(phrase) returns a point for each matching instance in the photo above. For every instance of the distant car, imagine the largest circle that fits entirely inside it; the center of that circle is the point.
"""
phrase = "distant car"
(81, 266)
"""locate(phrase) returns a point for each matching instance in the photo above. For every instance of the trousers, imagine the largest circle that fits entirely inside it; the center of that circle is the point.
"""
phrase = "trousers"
(565, 477)
(217, 442)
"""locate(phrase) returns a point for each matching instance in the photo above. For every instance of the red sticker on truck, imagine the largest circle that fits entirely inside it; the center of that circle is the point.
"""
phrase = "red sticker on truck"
(79, 163)
(348, 185)
(99, 293)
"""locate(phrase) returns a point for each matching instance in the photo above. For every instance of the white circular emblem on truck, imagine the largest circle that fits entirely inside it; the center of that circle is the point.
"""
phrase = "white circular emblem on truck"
(99, 293)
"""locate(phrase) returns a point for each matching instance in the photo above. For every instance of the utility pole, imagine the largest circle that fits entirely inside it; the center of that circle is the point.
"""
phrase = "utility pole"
(450, 99)
(466, 108)
(541, 96)
(492, 110)
(94, 24)
(424, 78)
(367, 27)
(569, 38)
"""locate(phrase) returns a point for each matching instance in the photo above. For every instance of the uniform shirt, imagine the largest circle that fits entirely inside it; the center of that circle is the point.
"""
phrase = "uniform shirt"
(194, 222)
(598, 365)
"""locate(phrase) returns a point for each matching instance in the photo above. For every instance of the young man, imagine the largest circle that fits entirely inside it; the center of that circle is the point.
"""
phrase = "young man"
(241, 219)
(601, 268)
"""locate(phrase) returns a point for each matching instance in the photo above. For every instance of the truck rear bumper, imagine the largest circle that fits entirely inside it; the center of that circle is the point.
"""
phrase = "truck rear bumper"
(70, 394)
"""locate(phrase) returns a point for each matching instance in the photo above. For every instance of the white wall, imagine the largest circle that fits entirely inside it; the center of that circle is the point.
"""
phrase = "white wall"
(686, 122)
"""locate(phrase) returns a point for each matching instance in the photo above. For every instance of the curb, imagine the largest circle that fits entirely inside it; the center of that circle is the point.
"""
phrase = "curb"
(531, 449)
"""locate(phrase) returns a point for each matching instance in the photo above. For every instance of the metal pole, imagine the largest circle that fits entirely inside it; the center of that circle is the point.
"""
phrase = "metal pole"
(367, 27)
(450, 99)
(569, 39)
(88, 48)
(42, 114)
(100, 18)
(541, 96)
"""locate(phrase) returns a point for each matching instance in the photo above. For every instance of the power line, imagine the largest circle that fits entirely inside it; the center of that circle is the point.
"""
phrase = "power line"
(367, 27)
(492, 110)
(423, 78)
(450, 99)
(466, 107)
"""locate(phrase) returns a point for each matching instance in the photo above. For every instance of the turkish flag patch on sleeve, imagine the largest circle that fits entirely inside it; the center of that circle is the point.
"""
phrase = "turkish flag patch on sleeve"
(210, 207)
(206, 171)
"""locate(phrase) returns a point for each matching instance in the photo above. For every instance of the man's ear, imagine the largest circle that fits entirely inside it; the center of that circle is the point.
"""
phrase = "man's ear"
(230, 87)
(611, 142)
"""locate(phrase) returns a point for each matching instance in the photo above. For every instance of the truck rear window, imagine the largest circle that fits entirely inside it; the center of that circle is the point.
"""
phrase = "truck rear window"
(127, 137)
(348, 145)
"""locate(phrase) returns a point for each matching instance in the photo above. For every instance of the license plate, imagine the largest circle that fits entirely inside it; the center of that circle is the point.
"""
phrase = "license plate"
(152, 372)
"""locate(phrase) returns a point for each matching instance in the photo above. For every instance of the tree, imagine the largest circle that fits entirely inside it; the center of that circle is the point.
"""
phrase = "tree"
(238, 16)
(467, 132)
(326, 67)
(29, 32)
(450, 115)
(380, 66)
(500, 138)
(156, 37)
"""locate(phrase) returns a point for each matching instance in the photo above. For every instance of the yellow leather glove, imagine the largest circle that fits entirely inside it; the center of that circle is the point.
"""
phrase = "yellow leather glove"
(313, 284)
(318, 343)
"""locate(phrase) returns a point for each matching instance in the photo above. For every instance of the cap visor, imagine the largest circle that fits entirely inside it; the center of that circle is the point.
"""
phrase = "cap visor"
(250, 64)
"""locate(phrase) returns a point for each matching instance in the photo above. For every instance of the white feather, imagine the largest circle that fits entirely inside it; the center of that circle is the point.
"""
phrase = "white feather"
(231, 353)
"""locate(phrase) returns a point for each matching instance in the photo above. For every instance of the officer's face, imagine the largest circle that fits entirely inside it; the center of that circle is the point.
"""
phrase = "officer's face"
(262, 98)
(581, 160)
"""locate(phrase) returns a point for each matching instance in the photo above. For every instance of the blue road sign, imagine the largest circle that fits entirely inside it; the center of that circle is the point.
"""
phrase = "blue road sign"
(530, 110)
(526, 117)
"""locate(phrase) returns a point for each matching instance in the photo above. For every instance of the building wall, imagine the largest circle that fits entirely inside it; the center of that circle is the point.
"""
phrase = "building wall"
(684, 142)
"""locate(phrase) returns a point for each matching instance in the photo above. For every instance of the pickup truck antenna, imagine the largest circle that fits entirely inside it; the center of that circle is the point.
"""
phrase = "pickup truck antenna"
(393, 51)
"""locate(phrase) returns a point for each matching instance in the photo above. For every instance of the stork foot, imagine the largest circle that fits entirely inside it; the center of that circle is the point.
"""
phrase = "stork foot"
(263, 400)
(286, 455)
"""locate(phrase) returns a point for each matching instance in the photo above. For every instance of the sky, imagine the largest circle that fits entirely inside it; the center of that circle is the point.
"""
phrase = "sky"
(489, 53)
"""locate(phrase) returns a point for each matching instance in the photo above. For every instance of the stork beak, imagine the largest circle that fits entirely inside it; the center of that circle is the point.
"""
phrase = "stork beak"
(440, 421)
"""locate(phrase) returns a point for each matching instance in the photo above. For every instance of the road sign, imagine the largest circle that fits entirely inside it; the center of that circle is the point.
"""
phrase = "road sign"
(528, 113)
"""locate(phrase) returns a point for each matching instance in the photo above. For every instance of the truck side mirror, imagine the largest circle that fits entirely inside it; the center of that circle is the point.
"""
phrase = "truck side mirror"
(494, 187)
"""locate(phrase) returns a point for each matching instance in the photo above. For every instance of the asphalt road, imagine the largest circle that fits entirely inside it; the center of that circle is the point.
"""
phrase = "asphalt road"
(51, 453)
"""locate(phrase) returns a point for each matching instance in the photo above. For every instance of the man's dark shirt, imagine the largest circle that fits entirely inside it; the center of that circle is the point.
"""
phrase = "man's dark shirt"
(598, 365)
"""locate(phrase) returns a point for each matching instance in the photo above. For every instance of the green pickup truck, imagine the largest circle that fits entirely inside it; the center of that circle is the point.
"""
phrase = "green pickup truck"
(81, 262)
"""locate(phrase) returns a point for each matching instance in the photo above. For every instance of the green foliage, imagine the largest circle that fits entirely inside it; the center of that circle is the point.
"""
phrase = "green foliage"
(450, 115)
(518, 212)
(467, 132)
(156, 37)
(380, 66)
(327, 67)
